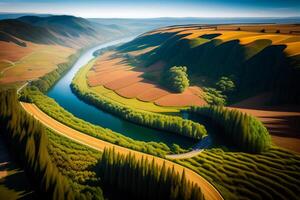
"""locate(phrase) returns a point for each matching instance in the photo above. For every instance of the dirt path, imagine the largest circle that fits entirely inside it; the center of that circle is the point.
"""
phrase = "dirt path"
(197, 149)
(208, 189)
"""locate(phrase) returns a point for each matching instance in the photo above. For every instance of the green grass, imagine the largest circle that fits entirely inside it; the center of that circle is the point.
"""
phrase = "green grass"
(271, 175)
(103, 92)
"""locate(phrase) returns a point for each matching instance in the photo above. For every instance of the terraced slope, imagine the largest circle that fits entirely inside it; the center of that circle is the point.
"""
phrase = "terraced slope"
(270, 175)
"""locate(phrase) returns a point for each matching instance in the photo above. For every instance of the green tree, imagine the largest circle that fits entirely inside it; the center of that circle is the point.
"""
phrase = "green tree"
(176, 79)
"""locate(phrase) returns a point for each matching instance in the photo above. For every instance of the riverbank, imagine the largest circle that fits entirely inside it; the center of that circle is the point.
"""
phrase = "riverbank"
(209, 191)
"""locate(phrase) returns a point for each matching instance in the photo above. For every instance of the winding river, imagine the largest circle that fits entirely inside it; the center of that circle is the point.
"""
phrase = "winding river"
(63, 95)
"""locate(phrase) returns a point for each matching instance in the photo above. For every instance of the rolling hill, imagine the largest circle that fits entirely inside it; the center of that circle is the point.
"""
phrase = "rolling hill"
(32, 46)
(259, 55)
(63, 30)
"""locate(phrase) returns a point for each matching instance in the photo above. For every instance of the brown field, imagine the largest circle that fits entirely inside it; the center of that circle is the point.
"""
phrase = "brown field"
(112, 72)
(209, 190)
(283, 122)
(19, 64)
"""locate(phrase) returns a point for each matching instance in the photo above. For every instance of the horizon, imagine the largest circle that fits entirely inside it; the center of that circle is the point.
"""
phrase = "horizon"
(126, 9)
(120, 18)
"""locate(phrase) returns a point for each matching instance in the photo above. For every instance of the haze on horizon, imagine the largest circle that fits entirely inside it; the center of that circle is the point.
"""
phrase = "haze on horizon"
(155, 8)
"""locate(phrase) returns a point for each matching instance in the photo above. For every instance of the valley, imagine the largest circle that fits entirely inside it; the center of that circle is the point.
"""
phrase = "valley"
(91, 110)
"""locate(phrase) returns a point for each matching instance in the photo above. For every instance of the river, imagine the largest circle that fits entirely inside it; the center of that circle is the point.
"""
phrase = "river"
(63, 95)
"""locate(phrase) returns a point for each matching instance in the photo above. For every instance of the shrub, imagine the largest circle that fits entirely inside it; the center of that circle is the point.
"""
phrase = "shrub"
(225, 84)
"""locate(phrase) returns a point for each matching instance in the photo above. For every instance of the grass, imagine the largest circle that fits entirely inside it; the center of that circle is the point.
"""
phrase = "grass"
(270, 175)
(110, 94)
(42, 60)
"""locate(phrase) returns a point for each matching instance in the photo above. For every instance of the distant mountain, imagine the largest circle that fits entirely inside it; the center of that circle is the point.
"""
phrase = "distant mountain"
(64, 30)
(5, 15)
(27, 32)
(68, 26)
(142, 25)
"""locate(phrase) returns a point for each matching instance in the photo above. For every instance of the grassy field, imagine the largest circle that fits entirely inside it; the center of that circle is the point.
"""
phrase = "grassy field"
(19, 64)
(134, 103)
(270, 175)
(115, 72)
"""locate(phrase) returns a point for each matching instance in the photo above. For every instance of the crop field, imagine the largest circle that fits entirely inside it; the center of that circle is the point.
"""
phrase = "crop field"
(115, 74)
(134, 103)
(19, 64)
(270, 175)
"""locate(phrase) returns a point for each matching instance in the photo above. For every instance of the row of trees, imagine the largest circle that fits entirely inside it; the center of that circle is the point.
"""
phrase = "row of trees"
(45, 83)
(176, 79)
(141, 179)
(240, 129)
(28, 141)
(158, 121)
(54, 110)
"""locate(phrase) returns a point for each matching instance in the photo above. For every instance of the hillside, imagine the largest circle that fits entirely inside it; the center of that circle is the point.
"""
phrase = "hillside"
(63, 30)
(267, 56)
(33, 46)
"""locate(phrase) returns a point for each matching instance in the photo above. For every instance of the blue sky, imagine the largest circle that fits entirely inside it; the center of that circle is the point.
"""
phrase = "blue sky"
(156, 8)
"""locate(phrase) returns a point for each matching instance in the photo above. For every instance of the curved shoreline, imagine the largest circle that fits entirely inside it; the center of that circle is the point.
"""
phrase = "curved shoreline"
(208, 189)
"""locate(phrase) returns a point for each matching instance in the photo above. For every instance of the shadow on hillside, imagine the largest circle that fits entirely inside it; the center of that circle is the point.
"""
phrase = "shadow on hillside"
(256, 67)
(8, 38)
(145, 41)
(285, 126)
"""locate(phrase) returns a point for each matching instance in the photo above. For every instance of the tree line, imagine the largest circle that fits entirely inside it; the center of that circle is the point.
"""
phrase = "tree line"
(125, 174)
(244, 131)
(141, 179)
(158, 121)
(27, 139)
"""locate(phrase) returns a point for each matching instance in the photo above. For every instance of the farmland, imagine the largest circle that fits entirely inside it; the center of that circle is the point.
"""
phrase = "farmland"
(19, 64)
(115, 74)
(175, 113)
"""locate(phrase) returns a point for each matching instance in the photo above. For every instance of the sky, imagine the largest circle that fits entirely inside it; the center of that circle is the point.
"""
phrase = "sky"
(156, 8)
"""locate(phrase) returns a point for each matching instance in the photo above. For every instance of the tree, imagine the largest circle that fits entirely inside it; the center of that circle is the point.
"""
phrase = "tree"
(225, 84)
(176, 79)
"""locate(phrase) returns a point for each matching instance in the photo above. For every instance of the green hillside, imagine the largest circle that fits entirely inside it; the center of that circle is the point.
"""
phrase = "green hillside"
(214, 54)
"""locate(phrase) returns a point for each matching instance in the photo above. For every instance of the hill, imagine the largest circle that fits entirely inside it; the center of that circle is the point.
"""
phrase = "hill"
(64, 30)
(32, 46)
(264, 56)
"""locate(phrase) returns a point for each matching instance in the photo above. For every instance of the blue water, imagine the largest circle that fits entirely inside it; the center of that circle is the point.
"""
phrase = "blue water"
(64, 96)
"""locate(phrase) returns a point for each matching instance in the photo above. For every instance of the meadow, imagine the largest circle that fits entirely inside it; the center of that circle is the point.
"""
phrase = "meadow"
(19, 64)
